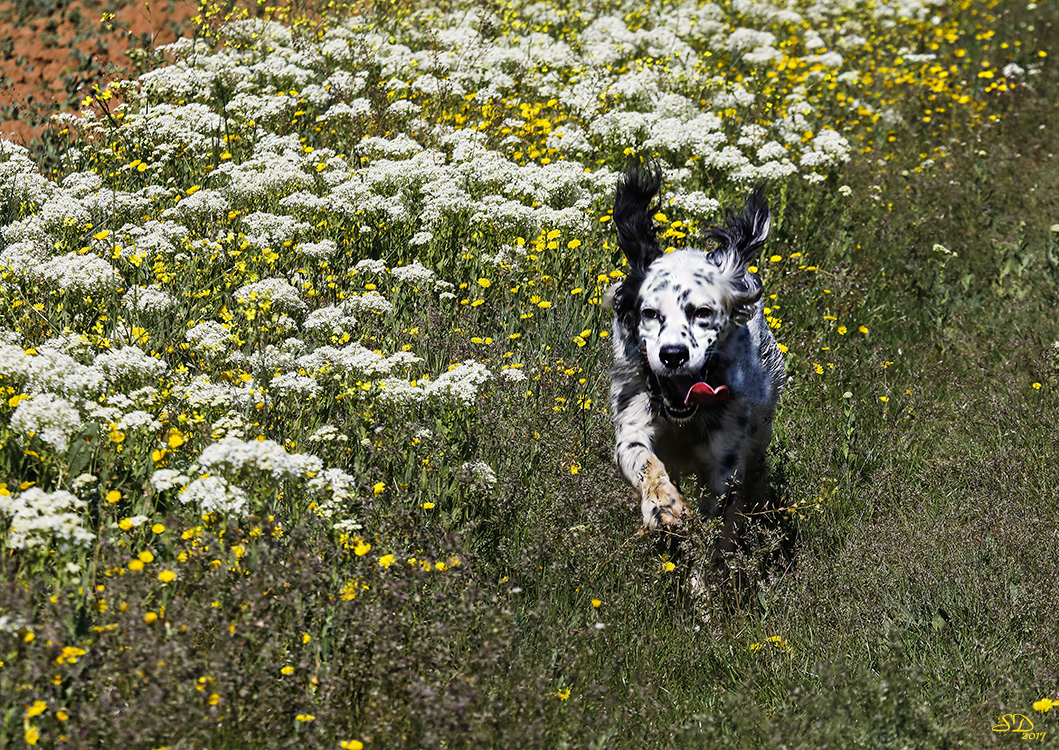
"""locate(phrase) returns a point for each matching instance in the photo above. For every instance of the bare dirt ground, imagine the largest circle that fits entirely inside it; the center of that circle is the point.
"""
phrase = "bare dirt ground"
(52, 51)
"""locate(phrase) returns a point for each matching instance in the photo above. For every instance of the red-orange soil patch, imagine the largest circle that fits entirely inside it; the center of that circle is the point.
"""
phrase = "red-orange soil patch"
(50, 58)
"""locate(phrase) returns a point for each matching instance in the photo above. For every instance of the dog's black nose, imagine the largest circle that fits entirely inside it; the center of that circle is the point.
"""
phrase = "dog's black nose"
(673, 355)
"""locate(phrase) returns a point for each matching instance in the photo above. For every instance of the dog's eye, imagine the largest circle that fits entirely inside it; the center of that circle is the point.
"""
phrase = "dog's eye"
(703, 312)
(649, 314)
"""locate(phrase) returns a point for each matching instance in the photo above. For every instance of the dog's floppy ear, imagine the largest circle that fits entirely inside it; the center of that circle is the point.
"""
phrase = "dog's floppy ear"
(637, 235)
(740, 239)
(743, 235)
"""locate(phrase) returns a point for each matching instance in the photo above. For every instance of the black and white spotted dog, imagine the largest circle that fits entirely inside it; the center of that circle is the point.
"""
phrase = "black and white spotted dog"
(697, 372)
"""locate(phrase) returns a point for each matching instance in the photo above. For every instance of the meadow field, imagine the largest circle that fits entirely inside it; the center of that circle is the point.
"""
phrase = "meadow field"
(304, 430)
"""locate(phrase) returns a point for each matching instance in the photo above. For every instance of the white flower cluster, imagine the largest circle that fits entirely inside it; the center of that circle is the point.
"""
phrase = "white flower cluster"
(279, 292)
(459, 385)
(50, 417)
(38, 519)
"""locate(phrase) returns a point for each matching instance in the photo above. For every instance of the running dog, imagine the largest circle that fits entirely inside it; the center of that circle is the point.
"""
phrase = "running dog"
(697, 372)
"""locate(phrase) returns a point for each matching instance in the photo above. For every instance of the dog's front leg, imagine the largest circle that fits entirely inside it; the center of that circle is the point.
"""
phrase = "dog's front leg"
(661, 501)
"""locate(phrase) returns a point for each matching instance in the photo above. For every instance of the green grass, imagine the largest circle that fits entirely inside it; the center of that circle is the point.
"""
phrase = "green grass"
(905, 595)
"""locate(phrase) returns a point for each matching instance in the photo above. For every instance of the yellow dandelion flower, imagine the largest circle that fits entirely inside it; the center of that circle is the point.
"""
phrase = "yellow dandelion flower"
(114, 496)
(166, 576)
(428, 505)
(135, 565)
(287, 670)
(150, 617)
(1036, 386)
(146, 556)
(379, 488)
(362, 548)
(1044, 705)
(305, 717)
(863, 329)
(36, 709)
(387, 560)
(563, 694)
(596, 603)
(352, 745)
(669, 566)
(484, 283)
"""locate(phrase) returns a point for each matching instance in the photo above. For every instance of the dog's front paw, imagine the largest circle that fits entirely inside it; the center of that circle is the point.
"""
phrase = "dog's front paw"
(662, 505)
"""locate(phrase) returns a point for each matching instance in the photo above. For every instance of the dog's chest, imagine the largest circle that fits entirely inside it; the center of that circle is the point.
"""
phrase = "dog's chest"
(686, 447)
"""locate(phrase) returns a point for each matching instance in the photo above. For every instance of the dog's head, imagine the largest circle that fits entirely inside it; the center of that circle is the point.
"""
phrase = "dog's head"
(681, 308)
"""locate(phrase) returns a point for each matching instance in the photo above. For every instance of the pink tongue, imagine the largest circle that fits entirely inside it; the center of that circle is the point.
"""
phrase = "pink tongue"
(703, 393)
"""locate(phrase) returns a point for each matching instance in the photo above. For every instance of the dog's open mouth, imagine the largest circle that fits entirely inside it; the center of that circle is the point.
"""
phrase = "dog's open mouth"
(682, 394)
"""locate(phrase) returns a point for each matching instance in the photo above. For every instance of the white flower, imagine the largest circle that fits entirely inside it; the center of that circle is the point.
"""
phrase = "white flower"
(212, 494)
(167, 479)
(267, 457)
(208, 336)
(39, 518)
(480, 473)
(129, 363)
(331, 318)
(151, 299)
(52, 418)
(279, 292)
(414, 273)
(80, 274)
(293, 384)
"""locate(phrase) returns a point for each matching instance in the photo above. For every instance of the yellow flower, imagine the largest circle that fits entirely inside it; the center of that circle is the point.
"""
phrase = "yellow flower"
(884, 399)
(36, 709)
(362, 548)
(575, 467)
(563, 694)
(841, 330)
(114, 496)
(352, 745)
(573, 244)
(1036, 386)
(305, 717)
(150, 617)
(166, 576)
(387, 560)
(135, 565)
(379, 488)
(32, 735)
(596, 603)
(863, 329)
(428, 505)
(669, 566)
(1044, 705)
(146, 556)
(158, 528)
(484, 283)
(287, 670)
